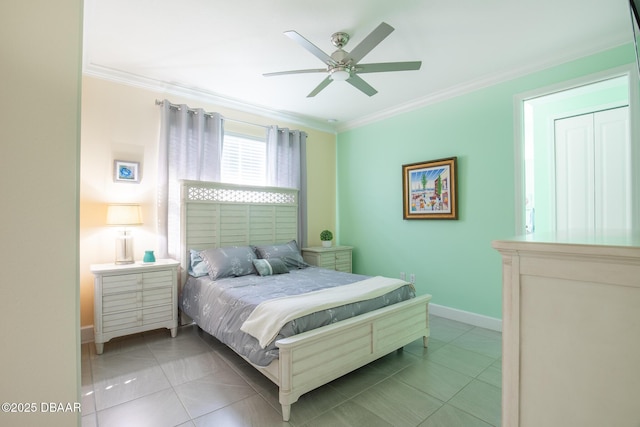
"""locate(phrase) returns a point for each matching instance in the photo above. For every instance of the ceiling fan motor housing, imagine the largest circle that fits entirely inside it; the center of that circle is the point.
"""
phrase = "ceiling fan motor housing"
(339, 40)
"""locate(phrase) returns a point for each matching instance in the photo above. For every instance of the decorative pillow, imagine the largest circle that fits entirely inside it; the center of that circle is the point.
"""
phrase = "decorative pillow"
(285, 251)
(231, 261)
(267, 267)
(197, 268)
(294, 263)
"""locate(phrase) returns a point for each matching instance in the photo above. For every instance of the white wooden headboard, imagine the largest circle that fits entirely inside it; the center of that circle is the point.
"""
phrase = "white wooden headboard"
(215, 215)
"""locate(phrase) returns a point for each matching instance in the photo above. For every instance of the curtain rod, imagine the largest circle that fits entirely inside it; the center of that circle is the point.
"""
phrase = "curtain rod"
(171, 105)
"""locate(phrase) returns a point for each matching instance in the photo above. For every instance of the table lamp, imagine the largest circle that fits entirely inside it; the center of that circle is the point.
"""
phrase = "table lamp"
(124, 215)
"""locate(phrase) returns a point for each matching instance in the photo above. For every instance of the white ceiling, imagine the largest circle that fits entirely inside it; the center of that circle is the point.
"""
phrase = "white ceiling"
(219, 49)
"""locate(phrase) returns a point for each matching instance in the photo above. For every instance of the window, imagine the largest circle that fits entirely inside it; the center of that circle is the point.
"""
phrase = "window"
(244, 160)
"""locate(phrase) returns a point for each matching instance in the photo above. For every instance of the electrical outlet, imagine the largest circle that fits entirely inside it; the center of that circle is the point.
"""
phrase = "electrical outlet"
(412, 278)
(403, 276)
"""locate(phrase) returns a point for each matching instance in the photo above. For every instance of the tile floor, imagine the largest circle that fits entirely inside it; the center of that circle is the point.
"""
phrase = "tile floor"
(151, 379)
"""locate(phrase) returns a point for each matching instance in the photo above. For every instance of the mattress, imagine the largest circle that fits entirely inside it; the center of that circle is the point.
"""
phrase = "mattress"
(220, 307)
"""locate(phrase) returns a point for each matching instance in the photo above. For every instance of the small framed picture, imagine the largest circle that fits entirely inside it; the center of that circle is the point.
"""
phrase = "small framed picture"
(429, 190)
(124, 171)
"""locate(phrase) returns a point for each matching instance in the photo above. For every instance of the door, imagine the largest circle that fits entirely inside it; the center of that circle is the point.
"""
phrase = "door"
(592, 172)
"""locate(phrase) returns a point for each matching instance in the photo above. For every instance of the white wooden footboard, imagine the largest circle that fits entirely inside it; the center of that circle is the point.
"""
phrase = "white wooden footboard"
(314, 358)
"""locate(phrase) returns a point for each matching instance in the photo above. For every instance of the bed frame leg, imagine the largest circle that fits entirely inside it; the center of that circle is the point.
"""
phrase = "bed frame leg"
(425, 342)
(286, 412)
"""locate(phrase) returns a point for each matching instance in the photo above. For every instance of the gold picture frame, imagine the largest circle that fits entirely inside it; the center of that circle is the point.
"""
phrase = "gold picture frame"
(429, 189)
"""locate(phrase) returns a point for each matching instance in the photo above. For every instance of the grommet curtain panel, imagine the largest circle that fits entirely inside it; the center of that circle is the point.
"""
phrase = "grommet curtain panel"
(287, 167)
(190, 147)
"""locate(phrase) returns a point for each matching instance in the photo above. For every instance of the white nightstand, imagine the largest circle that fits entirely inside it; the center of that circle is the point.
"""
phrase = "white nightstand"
(132, 298)
(335, 257)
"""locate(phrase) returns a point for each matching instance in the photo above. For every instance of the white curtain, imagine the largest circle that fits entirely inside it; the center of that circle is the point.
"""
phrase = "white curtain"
(287, 167)
(190, 148)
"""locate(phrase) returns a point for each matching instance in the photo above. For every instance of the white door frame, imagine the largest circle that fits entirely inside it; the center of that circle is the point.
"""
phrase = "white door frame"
(631, 71)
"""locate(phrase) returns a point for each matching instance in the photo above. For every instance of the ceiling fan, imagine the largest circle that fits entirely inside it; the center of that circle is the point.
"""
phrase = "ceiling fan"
(343, 65)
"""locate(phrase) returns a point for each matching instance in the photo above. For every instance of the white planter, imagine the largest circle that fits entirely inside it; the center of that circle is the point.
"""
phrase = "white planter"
(326, 243)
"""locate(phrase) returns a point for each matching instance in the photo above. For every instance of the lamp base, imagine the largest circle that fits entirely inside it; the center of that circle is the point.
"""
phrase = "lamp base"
(124, 248)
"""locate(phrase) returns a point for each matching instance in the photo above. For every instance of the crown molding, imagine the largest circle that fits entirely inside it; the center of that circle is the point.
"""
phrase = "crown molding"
(130, 79)
(473, 86)
(335, 128)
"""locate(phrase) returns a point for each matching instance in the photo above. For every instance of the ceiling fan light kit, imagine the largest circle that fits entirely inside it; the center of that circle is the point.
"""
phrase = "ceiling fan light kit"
(343, 65)
(340, 74)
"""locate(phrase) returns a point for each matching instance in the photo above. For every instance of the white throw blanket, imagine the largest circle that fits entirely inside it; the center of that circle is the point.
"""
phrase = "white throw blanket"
(265, 322)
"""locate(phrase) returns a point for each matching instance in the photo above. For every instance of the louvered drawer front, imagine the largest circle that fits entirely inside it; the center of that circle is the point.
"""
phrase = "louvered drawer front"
(121, 320)
(346, 267)
(327, 261)
(121, 283)
(343, 261)
(157, 314)
(156, 279)
(158, 296)
(343, 257)
(121, 302)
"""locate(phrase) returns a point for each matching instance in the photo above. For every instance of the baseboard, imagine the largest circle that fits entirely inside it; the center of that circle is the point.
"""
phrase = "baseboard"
(86, 334)
(466, 317)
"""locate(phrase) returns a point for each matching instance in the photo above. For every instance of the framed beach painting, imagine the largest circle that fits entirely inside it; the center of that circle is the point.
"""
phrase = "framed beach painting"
(429, 190)
(126, 171)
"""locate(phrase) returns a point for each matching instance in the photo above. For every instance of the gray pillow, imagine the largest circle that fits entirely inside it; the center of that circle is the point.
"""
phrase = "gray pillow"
(288, 251)
(231, 261)
(267, 267)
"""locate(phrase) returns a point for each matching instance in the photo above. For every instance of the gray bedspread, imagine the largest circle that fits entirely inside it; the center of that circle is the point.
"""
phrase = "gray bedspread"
(220, 307)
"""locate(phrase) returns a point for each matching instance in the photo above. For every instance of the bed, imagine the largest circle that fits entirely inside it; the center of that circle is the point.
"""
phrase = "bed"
(314, 347)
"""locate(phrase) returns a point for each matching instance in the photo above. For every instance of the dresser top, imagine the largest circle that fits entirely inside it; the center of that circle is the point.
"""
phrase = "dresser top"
(627, 244)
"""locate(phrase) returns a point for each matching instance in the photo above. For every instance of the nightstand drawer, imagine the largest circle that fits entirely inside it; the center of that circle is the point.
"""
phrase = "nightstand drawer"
(121, 320)
(121, 302)
(157, 296)
(133, 300)
(343, 257)
(344, 266)
(121, 283)
(135, 318)
(326, 261)
(157, 279)
(157, 314)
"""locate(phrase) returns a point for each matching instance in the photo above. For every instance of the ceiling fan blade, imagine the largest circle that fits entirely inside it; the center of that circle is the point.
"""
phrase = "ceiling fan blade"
(321, 86)
(315, 50)
(371, 41)
(382, 67)
(358, 83)
(281, 73)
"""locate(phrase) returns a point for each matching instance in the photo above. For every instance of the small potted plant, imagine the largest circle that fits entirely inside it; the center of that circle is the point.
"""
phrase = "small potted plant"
(326, 236)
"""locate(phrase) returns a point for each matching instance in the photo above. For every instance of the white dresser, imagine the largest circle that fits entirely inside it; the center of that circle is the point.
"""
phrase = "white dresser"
(335, 257)
(132, 298)
(571, 332)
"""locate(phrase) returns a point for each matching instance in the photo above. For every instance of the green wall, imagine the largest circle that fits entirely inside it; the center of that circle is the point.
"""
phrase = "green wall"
(452, 259)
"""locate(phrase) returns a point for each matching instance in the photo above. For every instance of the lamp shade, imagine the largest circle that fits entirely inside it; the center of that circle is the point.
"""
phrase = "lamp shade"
(124, 215)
